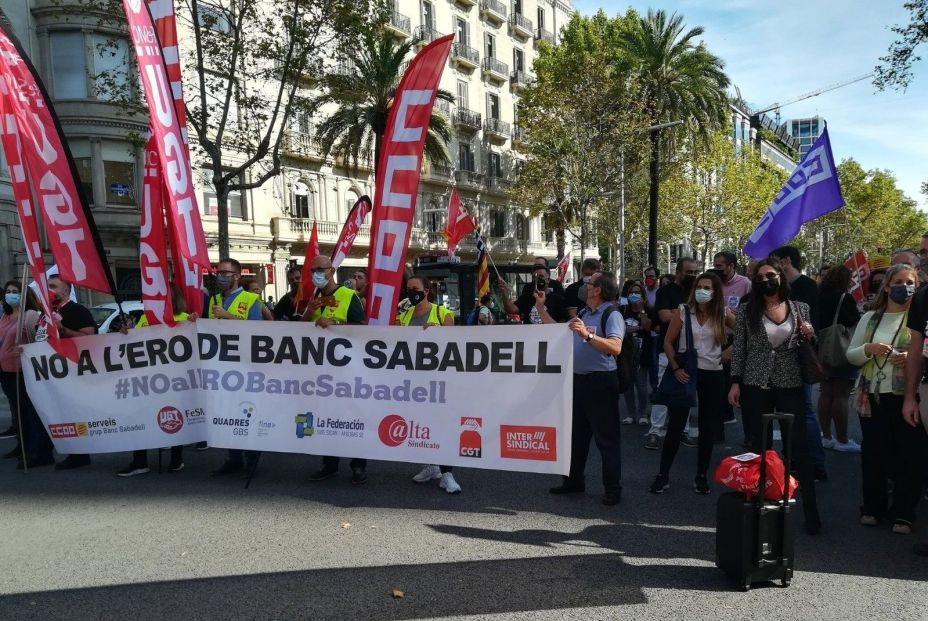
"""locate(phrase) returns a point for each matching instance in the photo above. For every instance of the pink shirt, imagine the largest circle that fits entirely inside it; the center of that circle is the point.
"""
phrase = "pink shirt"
(735, 289)
(9, 358)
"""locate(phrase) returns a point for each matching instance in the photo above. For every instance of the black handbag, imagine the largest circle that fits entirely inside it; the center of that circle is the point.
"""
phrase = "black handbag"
(671, 392)
(809, 365)
(833, 342)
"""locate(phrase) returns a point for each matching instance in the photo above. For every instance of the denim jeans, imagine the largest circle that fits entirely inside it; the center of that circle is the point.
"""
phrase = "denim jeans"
(637, 397)
(814, 431)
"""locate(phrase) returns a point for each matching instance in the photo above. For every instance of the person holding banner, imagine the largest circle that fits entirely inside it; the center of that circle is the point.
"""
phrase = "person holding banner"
(422, 312)
(334, 304)
(285, 310)
(599, 331)
(360, 284)
(251, 284)
(233, 302)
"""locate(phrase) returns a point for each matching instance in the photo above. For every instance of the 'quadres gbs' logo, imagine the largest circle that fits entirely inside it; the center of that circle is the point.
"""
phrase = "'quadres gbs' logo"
(471, 443)
(523, 442)
(170, 419)
(395, 430)
(304, 425)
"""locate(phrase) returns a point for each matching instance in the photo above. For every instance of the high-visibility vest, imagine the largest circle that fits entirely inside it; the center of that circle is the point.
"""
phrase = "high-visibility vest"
(143, 320)
(240, 306)
(437, 315)
(343, 296)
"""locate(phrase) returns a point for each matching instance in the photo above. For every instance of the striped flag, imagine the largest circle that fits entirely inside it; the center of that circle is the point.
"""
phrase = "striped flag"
(483, 271)
(562, 266)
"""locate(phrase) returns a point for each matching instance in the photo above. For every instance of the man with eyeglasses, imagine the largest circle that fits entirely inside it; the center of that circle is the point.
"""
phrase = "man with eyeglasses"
(669, 299)
(285, 309)
(233, 302)
(918, 261)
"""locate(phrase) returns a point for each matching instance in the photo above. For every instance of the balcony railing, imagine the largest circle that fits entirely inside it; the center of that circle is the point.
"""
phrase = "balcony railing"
(497, 183)
(520, 79)
(469, 178)
(495, 68)
(400, 23)
(496, 127)
(464, 54)
(444, 107)
(301, 145)
(521, 24)
(440, 172)
(494, 10)
(519, 135)
(345, 67)
(544, 35)
(424, 35)
(467, 119)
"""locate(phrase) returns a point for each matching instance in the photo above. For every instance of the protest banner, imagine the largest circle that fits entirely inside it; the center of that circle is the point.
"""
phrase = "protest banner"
(484, 398)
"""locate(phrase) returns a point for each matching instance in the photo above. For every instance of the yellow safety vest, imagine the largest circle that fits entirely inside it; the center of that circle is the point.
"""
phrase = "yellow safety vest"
(437, 315)
(143, 320)
(239, 307)
(343, 296)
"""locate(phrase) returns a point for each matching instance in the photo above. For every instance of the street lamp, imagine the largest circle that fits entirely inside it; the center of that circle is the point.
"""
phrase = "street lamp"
(652, 207)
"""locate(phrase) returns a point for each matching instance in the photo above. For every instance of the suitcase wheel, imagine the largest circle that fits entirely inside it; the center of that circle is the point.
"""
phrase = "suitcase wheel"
(785, 582)
(746, 587)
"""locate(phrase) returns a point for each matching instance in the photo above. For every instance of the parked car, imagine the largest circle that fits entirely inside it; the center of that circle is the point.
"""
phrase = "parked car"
(107, 315)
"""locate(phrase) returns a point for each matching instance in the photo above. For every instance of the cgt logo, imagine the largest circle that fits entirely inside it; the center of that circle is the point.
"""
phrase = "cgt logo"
(170, 419)
(524, 442)
(471, 444)
(304, 425)
(395, 430)
(61, 431)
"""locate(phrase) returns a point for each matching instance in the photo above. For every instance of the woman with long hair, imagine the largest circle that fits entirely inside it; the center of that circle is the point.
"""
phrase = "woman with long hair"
(836, 306)
(707, 316)
(638, 319)
(766, 373)
(892, 449)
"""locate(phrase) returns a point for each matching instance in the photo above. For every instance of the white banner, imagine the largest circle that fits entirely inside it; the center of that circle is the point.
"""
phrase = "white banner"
(485, 397)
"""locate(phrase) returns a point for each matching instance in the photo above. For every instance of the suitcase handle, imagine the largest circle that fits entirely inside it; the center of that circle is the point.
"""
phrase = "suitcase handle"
(786, 425)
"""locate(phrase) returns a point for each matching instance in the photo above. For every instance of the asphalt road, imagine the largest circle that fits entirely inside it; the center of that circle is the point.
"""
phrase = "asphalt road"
(87, 545)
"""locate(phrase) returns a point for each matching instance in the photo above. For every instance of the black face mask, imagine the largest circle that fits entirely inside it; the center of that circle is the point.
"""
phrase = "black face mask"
(770, 287)
(687, 284)
(416, 296)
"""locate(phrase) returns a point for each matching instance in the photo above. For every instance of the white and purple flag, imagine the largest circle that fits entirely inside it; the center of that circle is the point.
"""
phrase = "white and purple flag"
(810, 192)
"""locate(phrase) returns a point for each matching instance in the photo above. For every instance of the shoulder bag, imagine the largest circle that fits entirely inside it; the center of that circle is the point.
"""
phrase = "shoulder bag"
(809, 365)
(671, 392)
(833, 342)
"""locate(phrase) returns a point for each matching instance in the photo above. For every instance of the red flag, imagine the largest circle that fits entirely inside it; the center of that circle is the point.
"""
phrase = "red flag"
(460, 224)
(350, 230)
(398, 178)
(156, 296)
(860, 274)
(562, 266)
(43, 151)
(305, 292)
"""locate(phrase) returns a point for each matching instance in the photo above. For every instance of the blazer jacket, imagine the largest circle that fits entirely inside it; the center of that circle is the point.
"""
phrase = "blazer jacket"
(756, 363)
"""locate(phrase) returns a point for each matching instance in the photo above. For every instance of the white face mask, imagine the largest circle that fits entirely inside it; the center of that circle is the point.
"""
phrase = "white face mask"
(702, 296)
(320, 279)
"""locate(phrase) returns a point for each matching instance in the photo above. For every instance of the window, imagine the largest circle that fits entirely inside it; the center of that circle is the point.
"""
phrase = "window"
(302, 201)
(69, 64)
(495, 165)
(466, 157)
(351, 197)
(111, 68)
(463, 99)
(518, 60)
(462, 29)
(498, 222)
(541, 18)
(119, 174)
(428, 15)
(302, 117)
(493, 106)
(211, 204)
(434, 217)
(521, 224)
(517, 7)
(490, 46)
(213, 19)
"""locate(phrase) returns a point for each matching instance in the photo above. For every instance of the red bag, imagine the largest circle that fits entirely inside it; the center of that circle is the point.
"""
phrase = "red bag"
(742, 474)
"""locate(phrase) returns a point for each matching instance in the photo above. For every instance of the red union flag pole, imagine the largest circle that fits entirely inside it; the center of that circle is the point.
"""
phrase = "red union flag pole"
(398, 178)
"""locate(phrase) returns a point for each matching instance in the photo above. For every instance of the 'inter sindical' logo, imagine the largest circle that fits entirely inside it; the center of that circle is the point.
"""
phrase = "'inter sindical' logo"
(170, 419)
(525, 442)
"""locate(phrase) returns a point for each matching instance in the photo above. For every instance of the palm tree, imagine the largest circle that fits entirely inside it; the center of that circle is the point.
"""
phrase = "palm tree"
(679, 79)
(363, 92)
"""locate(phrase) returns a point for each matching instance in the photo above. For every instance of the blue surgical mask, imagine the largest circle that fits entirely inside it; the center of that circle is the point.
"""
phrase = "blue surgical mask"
(634, 298)
(13, 299)
(900, 294)
(320, 279)
(224, 282)
(702, 296)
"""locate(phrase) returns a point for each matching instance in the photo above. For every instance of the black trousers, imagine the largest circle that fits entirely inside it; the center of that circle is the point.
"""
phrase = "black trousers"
(758, 401)
(891, 449)
(242, 457)
(8, 383)
(596, 416)
(332, 463)
(140, 457)
(33, 434)
(710, 389)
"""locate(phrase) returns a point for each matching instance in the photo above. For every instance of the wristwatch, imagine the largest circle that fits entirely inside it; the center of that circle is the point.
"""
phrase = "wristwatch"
(589, 337)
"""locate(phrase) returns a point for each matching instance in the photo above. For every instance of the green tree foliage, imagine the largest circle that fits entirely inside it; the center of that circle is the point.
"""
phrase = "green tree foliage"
(896, 70)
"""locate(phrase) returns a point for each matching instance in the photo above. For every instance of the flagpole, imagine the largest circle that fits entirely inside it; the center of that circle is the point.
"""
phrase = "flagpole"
(19, 332)
(489, 256)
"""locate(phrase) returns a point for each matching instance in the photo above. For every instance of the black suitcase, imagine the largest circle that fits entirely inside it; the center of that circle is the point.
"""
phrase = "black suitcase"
(754, 540)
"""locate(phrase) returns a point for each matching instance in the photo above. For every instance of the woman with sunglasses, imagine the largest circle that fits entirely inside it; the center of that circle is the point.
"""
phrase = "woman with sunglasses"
(892, 449)
(766, 373)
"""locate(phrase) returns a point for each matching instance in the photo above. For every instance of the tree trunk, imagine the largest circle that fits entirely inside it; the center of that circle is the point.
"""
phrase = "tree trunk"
(222, 215)
(652, 206)
(582, 235)
(559, 235)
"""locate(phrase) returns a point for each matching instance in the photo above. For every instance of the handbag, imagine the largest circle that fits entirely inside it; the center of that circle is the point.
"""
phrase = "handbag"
(809, 365)
(671, 392)
(833, 342)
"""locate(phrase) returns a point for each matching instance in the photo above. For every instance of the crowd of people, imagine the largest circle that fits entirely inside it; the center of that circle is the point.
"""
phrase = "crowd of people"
(737, 342)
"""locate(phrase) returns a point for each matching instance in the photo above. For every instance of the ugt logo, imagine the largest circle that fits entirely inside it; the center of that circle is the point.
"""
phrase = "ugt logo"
(304, 425)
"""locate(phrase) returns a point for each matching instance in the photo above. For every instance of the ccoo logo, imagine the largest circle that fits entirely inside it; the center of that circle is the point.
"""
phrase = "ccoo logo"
(170, 419)
(393, 430)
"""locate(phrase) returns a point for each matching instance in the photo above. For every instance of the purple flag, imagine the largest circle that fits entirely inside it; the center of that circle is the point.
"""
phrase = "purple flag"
(810, 192)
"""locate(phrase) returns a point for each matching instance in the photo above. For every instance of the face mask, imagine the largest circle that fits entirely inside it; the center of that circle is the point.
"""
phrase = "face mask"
(650, 281)
(702, 296)
(587, 279)
(770, 287)
(12, 299)
(899, 294)
(224, 282)
(688, 282)
(582, 293)
(634, 298)
(320, 279)
(415, 297)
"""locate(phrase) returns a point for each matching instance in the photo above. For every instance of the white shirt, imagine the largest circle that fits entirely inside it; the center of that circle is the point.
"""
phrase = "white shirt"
(778, 334)
(708, 350)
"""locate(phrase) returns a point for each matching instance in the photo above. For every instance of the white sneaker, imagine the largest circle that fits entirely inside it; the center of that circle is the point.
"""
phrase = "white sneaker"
(628, 420)
(644, 421)
(777, 436)
(847, 447)
(828, 443)
(428, 473)
(448, 483)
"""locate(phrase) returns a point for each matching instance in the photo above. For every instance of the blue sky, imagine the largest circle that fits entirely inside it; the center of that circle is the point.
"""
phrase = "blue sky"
(777, 51)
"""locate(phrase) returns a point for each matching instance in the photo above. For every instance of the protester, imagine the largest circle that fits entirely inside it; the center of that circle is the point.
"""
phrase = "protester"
(334, 304)
(422, 312)
(669, 299)
(766, 371)
(876, 283)
(908, 256)
(9, 357)
(650, 285)
(706, 312)
(836, 306)
(915, 406)
(893, 448)
(525, 306)
(664, 280)
(734, 285)
(285, 309)
(638, 322)
(485, 311)
(233, 302)
(596, 386)
(360, 284)
(589, 267)
(251, 284)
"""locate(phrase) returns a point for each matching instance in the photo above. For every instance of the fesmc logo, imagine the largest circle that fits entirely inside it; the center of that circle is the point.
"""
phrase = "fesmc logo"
(304, 425)
(471, 443)
(170, 419)
(523, 442)
(395, 430)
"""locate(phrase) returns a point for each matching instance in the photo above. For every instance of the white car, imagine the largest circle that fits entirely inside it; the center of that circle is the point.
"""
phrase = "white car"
(106, 315)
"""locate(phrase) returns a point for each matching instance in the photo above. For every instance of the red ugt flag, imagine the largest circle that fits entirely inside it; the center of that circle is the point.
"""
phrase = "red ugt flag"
(860, 274)
(562, 266)
(460, 224)
(305, 292)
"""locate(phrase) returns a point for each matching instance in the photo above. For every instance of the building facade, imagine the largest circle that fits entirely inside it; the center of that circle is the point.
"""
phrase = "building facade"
(806, 131)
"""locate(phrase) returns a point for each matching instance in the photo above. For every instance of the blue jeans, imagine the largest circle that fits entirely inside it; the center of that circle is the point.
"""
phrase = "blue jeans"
(814, 432)
(637, 401)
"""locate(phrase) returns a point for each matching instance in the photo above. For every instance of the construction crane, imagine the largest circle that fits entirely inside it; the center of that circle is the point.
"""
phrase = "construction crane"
(831, 87)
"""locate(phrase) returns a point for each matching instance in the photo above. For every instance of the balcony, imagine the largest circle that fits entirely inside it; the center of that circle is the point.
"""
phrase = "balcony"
(423, 35)
(520, 80)
(345, 67)
(494, 11)
(519, 135)
(497, 184)
(295, 230)
(465, 56)
(520, 25)
(444, 107)
(495, 69)
(496, 129)
(300, 145)
(467, 119)
(440, 174)
(466, 3)
(544, 35)
(399, 25)
(469, 178)
(365, 161)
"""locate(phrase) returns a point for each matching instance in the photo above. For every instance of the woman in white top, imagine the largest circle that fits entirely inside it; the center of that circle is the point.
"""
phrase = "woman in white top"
(891, 449)
(709, 317)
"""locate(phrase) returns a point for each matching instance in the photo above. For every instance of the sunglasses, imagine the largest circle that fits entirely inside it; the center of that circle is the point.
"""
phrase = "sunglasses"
(767, 276)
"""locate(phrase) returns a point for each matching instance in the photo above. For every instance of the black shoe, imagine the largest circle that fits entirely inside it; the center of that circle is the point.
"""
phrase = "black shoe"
(568, 488)
(358, 476)
(9, 433)
(920, 549)
(36, 462)
(229, 467)
(686, 440)
(814, 526)
(820, 475)
(612, 498)
(200, 446)
(14, 454)
(133, 469)
(701, 484)
(73, 461)
(176, 467)
(323, 474)
(660, 485)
